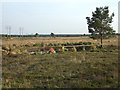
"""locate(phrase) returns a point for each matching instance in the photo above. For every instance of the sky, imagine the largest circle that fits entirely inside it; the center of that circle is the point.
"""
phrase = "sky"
(119, 17)
(46, 16)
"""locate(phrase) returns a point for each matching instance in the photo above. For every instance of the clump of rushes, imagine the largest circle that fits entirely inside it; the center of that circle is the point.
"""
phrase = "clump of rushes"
(59, 44)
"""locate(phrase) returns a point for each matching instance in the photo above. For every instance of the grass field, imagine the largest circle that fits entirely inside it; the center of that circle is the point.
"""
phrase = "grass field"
(33, 40)
(83, 69)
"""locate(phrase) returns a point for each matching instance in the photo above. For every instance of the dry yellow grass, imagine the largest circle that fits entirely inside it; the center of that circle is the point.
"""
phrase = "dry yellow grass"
(32, 40)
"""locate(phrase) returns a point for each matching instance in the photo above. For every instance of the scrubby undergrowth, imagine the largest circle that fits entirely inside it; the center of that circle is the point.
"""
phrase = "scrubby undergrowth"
(61, 70)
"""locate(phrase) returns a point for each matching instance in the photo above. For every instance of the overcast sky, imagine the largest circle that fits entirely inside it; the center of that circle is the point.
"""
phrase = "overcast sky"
(57, 16)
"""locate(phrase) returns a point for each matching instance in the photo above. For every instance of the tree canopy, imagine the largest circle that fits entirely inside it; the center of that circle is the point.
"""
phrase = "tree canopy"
(36, 34)
(100, 24)
(52, 35)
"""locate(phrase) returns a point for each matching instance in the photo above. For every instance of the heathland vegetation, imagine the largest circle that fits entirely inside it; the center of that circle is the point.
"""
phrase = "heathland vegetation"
(77, 62)
(68, 69)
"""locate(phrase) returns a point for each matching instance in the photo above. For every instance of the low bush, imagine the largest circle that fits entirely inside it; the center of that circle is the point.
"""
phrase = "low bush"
(39, 44)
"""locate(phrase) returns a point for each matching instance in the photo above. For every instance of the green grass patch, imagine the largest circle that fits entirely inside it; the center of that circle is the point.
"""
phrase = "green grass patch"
(61, 70)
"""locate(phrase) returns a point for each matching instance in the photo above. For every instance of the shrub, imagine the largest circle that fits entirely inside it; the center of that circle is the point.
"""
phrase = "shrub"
(50, 44)
(39, 44)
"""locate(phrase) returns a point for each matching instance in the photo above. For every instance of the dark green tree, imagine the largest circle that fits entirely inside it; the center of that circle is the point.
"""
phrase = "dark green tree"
(100, 24)
(36, 34)
(52, 35)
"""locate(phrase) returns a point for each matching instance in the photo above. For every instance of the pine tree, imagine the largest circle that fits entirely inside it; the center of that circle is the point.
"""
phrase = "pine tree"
(100, 24)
